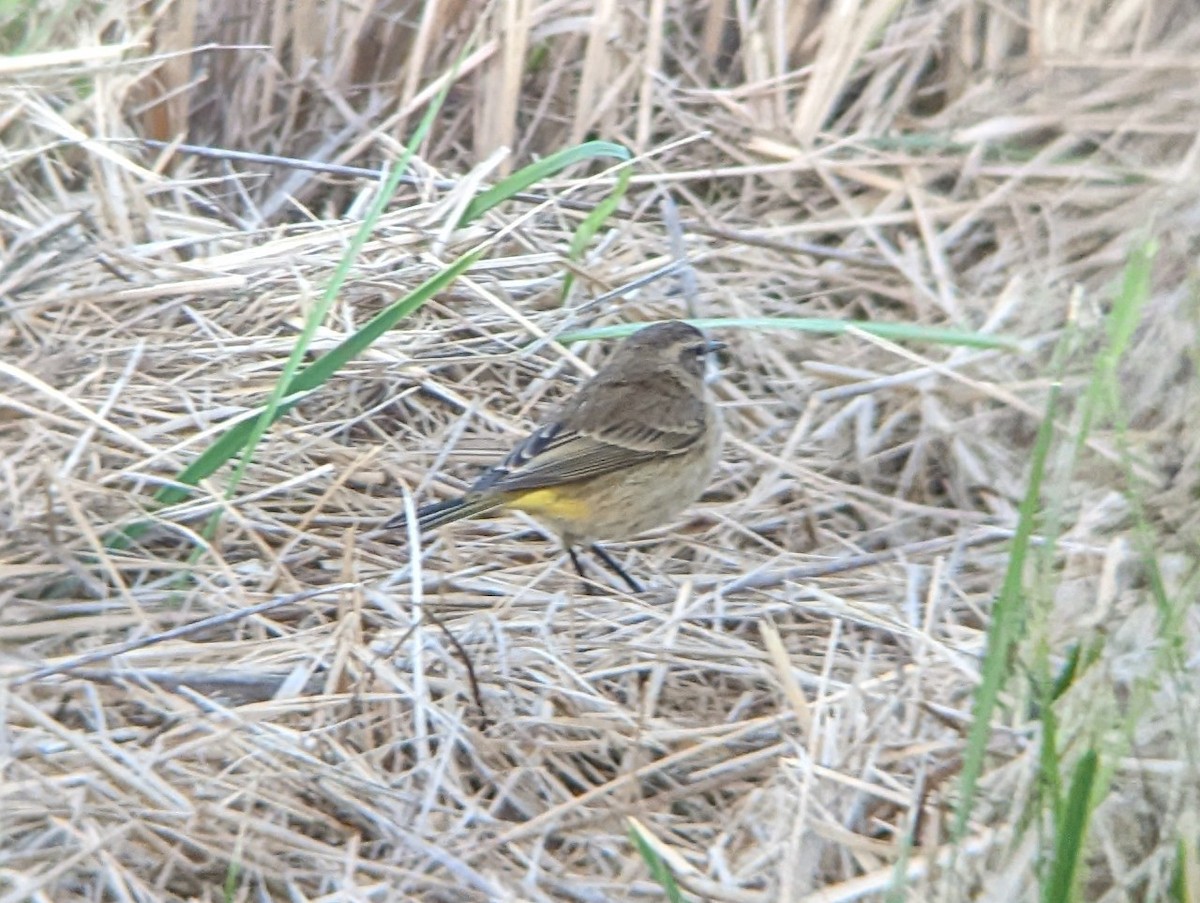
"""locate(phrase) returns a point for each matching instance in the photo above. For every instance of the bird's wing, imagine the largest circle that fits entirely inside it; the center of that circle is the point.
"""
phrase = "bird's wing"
(559, 451)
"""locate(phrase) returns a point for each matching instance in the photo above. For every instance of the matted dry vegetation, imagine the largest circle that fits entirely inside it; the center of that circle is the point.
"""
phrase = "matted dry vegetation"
(785, 709)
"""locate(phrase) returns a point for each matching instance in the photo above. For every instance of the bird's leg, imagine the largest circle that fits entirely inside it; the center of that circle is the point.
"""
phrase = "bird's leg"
(587, 586)
(611, 564)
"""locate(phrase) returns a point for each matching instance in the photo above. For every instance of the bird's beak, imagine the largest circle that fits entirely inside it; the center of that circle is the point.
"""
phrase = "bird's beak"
(713, 346)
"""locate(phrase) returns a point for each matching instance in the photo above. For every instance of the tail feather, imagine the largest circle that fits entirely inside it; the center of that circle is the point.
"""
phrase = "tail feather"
(439, 513)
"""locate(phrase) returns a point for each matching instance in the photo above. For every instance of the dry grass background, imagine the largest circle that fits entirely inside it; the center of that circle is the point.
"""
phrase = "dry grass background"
(787, 707)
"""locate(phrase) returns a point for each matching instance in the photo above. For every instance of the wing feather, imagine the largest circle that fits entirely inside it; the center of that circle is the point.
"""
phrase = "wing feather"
(563, 451)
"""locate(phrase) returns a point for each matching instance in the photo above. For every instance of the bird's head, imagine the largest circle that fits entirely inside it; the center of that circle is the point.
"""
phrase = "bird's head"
(669, 344)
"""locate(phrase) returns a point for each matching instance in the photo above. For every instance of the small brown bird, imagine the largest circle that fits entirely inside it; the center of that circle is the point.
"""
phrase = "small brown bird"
(631, 449)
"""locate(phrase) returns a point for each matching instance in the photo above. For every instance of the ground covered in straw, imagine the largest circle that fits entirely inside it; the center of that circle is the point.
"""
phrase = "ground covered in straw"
(784, 714)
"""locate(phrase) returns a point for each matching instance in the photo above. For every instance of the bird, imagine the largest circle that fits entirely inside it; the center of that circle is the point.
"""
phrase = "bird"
(631, 449)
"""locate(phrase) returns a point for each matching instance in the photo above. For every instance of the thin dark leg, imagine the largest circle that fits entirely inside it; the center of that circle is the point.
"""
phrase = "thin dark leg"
(575, 561)
(587, 585)
(612, 565)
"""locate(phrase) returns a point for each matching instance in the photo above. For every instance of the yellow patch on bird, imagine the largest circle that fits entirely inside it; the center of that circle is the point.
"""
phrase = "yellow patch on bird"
(552, 503)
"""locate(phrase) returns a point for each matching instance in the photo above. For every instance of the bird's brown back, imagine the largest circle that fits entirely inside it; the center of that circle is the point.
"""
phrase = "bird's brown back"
(641, 406)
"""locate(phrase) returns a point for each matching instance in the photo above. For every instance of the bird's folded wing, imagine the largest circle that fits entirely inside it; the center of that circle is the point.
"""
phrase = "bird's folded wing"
(553, 454)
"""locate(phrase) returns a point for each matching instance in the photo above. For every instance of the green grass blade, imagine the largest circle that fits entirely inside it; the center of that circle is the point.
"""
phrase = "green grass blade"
(234, 439)
(1080, 656)
(232, 874)
(1185, 882)
(895, 331)
(1126, 312)
(535, 172)
(285, 384)
(1127, 308)
(593, 222)
(1007, 618)
(1070, 833)
(319, 372)
(659, 870)
(898, 889)
(1049, 764)
(1123, 321)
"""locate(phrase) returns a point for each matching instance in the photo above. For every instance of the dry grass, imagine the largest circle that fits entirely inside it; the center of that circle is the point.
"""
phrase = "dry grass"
(787, 706)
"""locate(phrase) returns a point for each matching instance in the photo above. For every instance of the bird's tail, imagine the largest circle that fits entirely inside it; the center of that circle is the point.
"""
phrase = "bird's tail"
(447, 512)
